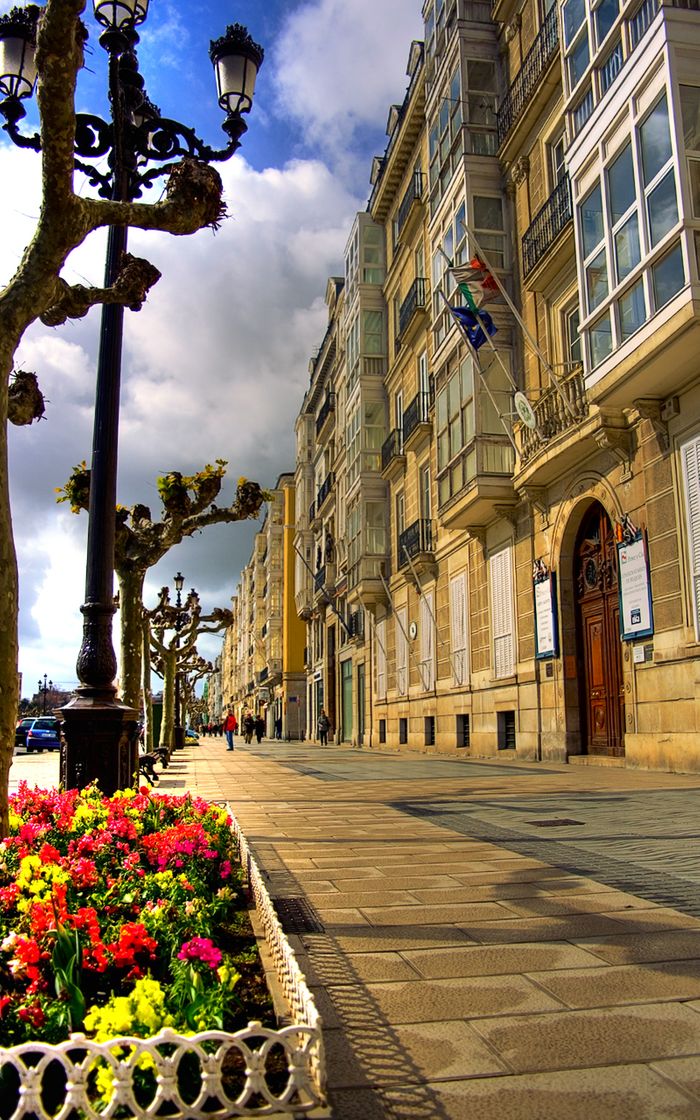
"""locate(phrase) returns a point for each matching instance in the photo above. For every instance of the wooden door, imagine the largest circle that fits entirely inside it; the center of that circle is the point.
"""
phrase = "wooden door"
(598, 647)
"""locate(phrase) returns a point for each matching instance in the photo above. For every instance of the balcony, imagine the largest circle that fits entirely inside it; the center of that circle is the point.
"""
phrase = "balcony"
(476, 484)
(393, 458)
(530, 76)
(414, 302)
(416, 547)
(320, 579)
(366, 580)
(312, 513)
(544, 230)
(416, 420)
(413, 195)
(552, 415)
(303, 602)
(327, 410)
(262, 675)
(324, 490)
(356, 624)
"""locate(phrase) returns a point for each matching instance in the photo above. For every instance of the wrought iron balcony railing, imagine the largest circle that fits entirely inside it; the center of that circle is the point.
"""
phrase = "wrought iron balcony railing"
(417, 539)
(320, 579)
(536, 61)
(413, 194)
(392, 448)
(326, 409)
(416, 413)
(324, 489)
(547, 224)
(312, 511)
(414, 301)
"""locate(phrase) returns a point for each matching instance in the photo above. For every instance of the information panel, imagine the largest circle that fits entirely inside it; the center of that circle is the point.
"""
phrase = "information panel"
(636, 619)
(546, 621)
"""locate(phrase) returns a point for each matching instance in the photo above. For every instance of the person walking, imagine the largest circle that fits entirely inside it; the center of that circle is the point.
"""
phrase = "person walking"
(230, 725)
(322, 727)
(248, 727)
(259, 728)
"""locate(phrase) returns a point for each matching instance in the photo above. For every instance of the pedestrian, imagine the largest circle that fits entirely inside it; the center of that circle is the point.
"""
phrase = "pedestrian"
(230, 725)
(248, 727)
(259, 728)
(278, 728)
(322, 727)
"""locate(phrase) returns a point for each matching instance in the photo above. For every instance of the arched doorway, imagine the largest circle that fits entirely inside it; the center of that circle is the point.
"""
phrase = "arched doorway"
(598, 649)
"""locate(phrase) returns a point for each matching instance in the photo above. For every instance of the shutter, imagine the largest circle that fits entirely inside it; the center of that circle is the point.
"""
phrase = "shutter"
(458, 626)
(427, 640)
(502, 612)
(380, 655)
(401, 651)
(691, 473)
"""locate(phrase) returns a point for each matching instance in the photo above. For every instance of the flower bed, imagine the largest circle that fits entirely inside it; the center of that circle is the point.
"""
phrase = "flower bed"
(126, 919)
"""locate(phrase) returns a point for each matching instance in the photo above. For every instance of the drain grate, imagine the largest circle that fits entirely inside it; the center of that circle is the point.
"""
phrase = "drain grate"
(559, 823)
(296, 915)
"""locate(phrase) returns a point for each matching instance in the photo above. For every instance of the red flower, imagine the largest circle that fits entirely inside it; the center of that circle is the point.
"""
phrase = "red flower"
(33, 1014)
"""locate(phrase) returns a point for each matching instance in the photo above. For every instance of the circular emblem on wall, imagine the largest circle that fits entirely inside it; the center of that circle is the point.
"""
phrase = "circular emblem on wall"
(524, 410)
(413, 630)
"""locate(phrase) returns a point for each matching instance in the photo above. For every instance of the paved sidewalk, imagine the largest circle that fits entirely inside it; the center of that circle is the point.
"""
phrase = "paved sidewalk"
(459, 974)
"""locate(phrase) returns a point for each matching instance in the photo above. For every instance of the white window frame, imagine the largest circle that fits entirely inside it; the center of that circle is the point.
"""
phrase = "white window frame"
(380, 658)
(502, 611)
(459, 628)
(690, 464)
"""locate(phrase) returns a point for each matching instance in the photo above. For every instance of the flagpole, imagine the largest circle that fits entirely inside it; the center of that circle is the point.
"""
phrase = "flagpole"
(477, 363)
(521, 322)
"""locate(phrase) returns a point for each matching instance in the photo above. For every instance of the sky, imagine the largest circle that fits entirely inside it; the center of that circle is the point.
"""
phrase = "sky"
(215, 365)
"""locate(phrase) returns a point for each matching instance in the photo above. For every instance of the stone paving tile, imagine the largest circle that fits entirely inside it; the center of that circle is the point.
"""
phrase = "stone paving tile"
(480, 960)
(354, 874)
(482, 892)
(366, 899)
(631, 1092)
(361, 939)
(430, 915)
(604, 1036)
(381, 966)
(633, 948)
(585, 903)
(542, 929)
(658, 917)
(605, 987)
(449, 1049)
(684, 1071)
(421, 1001)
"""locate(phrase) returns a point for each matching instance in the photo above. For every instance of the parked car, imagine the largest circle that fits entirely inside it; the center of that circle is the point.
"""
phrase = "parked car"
(44, 734)
(21, 731)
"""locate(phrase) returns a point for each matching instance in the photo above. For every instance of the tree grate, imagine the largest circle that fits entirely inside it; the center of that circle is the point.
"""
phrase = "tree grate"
(559, 823)
(296, 915)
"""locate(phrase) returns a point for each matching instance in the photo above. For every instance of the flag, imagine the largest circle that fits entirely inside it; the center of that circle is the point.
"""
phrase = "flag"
(477, 272)
(468, 297)
(475, 324)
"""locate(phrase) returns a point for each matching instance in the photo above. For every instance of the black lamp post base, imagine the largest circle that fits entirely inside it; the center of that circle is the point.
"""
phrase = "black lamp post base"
(178, 738)
(101, 742)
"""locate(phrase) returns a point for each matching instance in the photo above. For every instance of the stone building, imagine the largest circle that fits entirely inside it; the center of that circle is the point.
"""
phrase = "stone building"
(518, 569)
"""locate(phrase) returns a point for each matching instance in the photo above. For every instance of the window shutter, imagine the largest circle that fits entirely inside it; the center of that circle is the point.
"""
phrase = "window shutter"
(690, 454)
(500, 565)
(401, 652)
(380, 655)
(427, 640)
(459, 627)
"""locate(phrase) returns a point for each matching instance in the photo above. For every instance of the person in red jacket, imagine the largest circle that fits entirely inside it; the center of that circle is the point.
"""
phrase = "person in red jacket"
(230, 725)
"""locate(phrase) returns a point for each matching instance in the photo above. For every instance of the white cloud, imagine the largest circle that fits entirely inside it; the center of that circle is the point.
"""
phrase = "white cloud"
(341, 63)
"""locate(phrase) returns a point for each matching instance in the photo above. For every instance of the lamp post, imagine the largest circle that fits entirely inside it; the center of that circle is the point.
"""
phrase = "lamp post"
(178, 730)
(43, 692)
(139, 145)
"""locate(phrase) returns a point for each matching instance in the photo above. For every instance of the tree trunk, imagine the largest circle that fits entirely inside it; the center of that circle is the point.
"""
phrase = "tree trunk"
(147, 694)
(167, 727)
(9, 680)
(131, 637)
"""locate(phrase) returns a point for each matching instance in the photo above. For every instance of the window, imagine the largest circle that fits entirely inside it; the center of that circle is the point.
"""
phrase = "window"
(556, 160)
(572, 320)
(445, 145)
(459, 628)
(373, 270)
(382, 731)
(690, 460)
(462, 730)
(690, 110)
(400, 512)
(375, 528)
(398, 415)
(429, 730)
(600, 337)
(668, 277)
(373, 328)
(632, 310)
(604, 17)
(427, 640)
(380, 658)
(452, 248)
(403, 731)
(506, 730)
(454, 408)
(424, 491)
(481, 106)
(490, 229)
(401, 652)
(502, 621)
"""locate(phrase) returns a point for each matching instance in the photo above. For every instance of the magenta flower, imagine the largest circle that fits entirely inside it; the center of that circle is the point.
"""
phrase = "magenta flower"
(200, 949)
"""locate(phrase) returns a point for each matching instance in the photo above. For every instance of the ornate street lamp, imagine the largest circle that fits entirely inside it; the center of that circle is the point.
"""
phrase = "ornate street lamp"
(139, 145)
(43, 692)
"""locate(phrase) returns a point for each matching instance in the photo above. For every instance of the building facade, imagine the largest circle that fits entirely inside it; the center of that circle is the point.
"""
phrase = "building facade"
(499, 549)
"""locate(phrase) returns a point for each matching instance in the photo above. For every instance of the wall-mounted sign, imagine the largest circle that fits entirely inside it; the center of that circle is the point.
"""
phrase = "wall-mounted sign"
(546, 619)
(636, 619)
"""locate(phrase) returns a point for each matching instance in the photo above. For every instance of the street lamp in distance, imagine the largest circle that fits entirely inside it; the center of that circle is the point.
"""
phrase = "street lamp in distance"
(44, 690)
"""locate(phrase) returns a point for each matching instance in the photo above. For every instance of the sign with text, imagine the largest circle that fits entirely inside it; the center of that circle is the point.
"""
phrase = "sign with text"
(546, 621)
(636, 620)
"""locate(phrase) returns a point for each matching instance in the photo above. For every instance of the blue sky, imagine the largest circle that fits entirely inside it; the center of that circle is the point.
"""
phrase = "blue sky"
(216, 363)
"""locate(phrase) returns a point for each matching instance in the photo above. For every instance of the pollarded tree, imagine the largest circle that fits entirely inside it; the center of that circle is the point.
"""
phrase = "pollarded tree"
(189, 506)
(191, 201)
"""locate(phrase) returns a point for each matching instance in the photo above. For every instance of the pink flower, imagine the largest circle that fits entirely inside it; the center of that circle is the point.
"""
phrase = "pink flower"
(201, 949)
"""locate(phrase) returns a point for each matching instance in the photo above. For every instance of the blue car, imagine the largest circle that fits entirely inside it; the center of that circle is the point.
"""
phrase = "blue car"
(44, 734)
